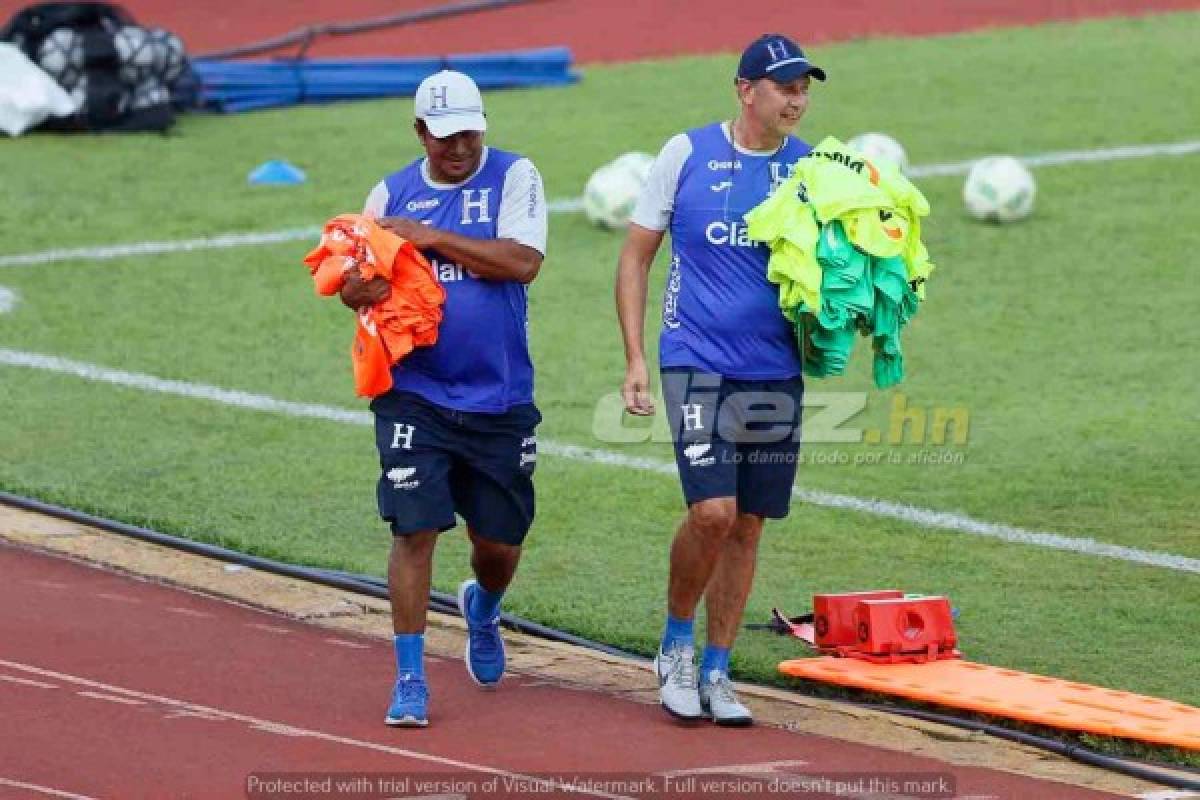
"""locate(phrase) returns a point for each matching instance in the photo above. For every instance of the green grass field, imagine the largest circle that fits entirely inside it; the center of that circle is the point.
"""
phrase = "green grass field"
(1064, 340)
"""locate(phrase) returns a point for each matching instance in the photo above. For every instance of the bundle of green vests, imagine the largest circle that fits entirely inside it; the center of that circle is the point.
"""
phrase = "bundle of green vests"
(846, 252)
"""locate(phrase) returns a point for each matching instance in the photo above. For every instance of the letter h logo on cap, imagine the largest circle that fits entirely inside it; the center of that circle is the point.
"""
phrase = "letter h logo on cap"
(777, 57)
(777, 49)
(437, 97)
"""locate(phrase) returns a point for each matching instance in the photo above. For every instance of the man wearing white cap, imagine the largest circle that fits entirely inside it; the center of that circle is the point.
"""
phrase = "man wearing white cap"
(455, 434)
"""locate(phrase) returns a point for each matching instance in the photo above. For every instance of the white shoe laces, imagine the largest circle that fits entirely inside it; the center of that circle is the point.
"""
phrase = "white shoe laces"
(682, 669)
(722, 690)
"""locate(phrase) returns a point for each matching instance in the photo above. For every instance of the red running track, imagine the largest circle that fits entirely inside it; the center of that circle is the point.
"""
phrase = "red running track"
(114, 687)
(606, 30)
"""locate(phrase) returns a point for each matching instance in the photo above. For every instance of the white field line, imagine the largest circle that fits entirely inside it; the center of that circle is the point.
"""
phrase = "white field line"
(8, 300)
(568, 205)
(219, 242)
(290, 730)
(102, 253)
(923, 517)
(1062, 157)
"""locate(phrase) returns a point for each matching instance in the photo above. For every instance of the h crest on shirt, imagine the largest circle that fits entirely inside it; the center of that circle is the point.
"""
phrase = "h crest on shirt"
(475, 205)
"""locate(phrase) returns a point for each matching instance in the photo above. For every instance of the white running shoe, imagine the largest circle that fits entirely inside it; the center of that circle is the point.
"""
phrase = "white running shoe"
(677, 693)
(720, 703)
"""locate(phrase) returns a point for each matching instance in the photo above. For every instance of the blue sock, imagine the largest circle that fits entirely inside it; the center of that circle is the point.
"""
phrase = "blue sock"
(483, 604)
(678, 630)
(714, 658)
(410, 654)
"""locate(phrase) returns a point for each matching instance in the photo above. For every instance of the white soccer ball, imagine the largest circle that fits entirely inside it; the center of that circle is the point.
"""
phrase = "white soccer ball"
(613, 190)
(167, 52)
(148, 94)
(137, 53)
(640, 163)
(61, 56)
(880, 146)
(999, 189)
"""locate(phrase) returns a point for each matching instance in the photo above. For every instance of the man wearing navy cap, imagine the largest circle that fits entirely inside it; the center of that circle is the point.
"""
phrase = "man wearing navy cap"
(725, 353)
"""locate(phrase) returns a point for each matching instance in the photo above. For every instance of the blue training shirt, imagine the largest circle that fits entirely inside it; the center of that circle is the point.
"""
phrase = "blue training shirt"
(720, 313)
(481, 361)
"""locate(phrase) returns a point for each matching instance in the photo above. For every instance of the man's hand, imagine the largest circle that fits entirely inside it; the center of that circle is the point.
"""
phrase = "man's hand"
(419, 234)
(357, 293)
(636, 390)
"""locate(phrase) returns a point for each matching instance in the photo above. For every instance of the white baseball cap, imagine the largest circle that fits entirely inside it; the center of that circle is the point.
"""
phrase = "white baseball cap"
(449, 102)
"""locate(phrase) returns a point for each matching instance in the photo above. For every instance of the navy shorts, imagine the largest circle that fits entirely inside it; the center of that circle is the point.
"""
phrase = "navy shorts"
(735, 438)
(436, 462)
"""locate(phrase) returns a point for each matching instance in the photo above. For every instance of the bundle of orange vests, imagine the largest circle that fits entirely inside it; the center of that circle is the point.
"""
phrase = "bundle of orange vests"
(387, 331)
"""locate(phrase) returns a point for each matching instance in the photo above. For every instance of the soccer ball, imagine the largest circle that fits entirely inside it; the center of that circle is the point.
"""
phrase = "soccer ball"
(137, 55)
(612, 191)
(999, 189)
(640, 163)
(168, 53)
(880, 146)
(149, 94)
(61, 56)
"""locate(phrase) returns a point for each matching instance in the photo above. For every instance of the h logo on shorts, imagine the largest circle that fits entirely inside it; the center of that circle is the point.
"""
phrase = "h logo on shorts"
(402, 436)
(693, 419)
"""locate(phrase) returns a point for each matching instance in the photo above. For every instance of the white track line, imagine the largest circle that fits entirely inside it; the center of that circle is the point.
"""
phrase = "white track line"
(926, 518)
(568, 205)
(761, 769)
(345, 643)
(127, 701)
(44, 790)
(188, 612)
(27, 682)
(292, 730)
(119, 598)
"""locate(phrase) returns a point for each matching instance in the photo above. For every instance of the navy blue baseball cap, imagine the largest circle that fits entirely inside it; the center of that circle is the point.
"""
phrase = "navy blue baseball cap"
(777, 57)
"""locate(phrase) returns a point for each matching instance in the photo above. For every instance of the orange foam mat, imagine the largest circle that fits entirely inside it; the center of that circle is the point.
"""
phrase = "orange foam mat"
(1016, 695)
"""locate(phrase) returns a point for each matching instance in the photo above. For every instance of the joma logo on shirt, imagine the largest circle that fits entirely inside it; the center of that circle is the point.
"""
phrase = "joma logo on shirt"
(423, 205)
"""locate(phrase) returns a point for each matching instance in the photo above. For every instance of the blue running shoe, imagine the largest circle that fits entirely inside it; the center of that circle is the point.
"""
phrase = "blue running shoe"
(410, 699)
(485, 648)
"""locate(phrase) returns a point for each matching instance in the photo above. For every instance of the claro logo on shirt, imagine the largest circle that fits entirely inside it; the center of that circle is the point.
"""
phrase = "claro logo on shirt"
(449, 271)
(729, 233)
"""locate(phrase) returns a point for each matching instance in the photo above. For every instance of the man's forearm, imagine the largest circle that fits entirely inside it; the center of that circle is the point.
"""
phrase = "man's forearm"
(492, 259)
(632, 286)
